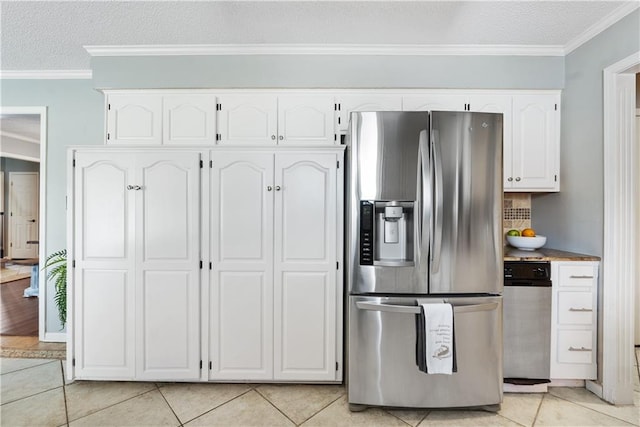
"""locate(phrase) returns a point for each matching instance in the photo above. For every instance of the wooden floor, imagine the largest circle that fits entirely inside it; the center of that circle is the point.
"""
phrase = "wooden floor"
(18, 315)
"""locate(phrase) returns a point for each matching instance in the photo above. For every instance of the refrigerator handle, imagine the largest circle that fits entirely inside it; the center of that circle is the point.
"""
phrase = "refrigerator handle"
(414, 309)
(437, 202)
(424, 199)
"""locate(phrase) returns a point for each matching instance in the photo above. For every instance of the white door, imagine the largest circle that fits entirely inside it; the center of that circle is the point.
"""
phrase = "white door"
(103, 285)
(241, 306)
(134, 119)
(535, 144)
(305, 267)
(349, 103)
(167, 224)
(23, 214)
(189, 119)
(433, 102)
(306, 119)
(248, 119)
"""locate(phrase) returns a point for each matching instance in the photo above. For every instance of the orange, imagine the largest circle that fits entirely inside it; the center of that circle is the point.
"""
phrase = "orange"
(528, 232)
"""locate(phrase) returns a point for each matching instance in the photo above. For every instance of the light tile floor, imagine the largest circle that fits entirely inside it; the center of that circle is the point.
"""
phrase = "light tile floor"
(34, 393)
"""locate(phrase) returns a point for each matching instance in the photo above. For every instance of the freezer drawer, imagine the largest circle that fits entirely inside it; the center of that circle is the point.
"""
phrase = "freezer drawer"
(382, 367)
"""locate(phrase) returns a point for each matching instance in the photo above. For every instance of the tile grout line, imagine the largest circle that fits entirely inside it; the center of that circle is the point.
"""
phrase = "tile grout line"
(591, 409)
(29, 367)
(111, 406)
(169, 405)
(538, 410)
(324, 407)
(220, 405)
(277, 409)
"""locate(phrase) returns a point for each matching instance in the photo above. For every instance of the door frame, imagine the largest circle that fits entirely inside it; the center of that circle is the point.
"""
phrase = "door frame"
(42, 297)
(621, 228)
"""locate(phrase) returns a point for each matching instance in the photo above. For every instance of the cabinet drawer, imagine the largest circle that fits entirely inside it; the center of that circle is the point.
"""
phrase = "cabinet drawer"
(575, 308)
(576, 275)
(575, 346)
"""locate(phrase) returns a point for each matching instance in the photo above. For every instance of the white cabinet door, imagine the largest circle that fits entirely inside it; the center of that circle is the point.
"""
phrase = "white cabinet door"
(434, 102)
(103, 285)
(305, 267)
(168, 265)
(536, 144)
(248, 119)
(134, 119)
(189, 119)
(350, 103)
(306, 119)
(241, 289)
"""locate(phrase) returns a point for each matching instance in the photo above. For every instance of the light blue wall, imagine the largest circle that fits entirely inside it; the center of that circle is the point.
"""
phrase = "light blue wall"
(573, 218)
(325, 71)
(74, 117)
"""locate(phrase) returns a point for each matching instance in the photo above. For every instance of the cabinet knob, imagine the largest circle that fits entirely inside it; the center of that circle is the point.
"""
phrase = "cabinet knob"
(281, 138)
(277, 188)
(32, 220)
(509, 179)
(133, 187)
(273, 137)
(269, 188)
(518, 179)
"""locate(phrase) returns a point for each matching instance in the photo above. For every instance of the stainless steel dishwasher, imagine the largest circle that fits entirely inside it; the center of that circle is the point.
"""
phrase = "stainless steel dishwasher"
(527, 322)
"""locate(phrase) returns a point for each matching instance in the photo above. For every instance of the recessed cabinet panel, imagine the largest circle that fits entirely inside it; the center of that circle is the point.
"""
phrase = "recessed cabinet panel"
(575, 308)
(305, 323)
(103, 329)
(306, 119)
(241, 207)
(305, 208)
(169, 325)
(134, 119)
(105, 202)
(169, 217)
(433, 102)
(575, 346)
(243, 326)
(248, 119)
(189, 119)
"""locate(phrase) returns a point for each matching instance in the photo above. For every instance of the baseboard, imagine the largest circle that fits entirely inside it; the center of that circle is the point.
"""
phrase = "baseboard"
(54, 337)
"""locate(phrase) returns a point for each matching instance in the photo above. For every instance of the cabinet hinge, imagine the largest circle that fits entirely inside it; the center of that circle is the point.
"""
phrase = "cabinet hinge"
(73, 264)
(201, 364)
(210, 164)
(74, 163)
(200, 264)
(11, 244)
(555, 178)
(218, 136)
(108, 136)
(201, 164)
(108, 106)
(337, 366)
(73, 362)
(338, 164)
(335, 107)
(338, 265)
(555, 107)
(218, 107)
(210, 266)
(338, 120)
(335, 136)
(210, 366)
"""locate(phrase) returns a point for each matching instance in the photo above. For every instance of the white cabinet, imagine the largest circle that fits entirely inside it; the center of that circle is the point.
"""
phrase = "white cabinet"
(135, 284)
(250, 119)
(275, 293)
(156, 118)
(573, 319)
(434, 102)
(533, 160)
(346, 104)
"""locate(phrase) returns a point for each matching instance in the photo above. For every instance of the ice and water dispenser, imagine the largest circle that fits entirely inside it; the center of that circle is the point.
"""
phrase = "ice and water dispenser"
(386, 233)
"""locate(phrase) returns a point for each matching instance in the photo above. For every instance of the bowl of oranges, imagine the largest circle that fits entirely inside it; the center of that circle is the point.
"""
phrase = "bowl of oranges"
(525, 240)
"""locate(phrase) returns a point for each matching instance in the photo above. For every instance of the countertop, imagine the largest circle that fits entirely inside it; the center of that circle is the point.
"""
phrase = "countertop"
(545, 254)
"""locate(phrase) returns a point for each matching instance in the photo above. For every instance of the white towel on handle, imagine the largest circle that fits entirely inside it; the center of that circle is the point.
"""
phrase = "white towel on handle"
(439, 343)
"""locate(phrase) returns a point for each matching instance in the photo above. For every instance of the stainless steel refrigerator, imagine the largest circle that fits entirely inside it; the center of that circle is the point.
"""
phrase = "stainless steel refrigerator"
(424, 224)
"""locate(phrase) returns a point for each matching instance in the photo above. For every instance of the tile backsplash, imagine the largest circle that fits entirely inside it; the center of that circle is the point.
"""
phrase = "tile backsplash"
(516, 211)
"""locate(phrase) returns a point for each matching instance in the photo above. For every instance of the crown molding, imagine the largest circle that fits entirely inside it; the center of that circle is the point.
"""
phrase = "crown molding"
(46, 74)
(328, 49)
(600, 26)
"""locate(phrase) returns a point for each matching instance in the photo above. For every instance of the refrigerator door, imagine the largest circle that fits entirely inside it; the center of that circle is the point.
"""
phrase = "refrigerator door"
(382, 354)
(388, 163)
(466, 164)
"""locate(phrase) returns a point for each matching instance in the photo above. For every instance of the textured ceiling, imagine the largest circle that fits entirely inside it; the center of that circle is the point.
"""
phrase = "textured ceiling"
(50, 35)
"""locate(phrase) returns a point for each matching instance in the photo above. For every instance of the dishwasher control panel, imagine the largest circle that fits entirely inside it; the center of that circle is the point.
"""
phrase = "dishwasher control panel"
(519, 273)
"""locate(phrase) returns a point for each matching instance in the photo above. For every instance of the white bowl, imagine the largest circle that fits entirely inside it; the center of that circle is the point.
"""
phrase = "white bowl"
(527, 243)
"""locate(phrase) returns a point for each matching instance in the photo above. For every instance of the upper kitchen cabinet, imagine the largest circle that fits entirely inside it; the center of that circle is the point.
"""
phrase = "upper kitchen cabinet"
(157, 118)
(347, 104)
(269, 119)
(434, 102)
(532, 161)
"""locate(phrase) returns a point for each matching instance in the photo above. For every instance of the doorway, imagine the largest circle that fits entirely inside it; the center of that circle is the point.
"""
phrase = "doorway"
(22, 154)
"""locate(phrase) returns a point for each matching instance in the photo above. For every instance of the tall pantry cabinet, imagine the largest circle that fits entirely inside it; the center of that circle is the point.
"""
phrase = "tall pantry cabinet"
(136, 264)
(193, 264)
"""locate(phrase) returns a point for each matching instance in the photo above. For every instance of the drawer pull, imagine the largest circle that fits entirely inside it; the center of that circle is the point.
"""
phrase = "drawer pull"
(580, 277)
(579, 349)
(580, 309)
